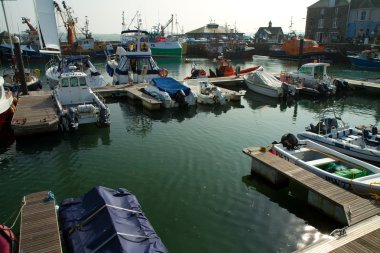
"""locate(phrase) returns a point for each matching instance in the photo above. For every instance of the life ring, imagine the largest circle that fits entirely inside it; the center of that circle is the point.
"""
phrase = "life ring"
(144, 47)
(163, 72)
(131, 47)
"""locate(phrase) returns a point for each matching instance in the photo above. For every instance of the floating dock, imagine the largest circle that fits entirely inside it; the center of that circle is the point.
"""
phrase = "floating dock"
(39, 230)
(337, 203)
(35, 113)
(359, 214)
(364, 86)
(360, 238)
(132, 91)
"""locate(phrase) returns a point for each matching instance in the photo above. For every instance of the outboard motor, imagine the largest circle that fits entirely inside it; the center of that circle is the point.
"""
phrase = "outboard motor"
(289, 141)
(180, 98)
(366, 134)
(374, 131)
(341, 85)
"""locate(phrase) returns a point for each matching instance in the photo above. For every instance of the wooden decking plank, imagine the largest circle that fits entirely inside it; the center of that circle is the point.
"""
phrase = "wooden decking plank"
(39, 227)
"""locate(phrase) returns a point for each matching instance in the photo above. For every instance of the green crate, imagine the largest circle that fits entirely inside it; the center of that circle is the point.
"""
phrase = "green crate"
(351, 173)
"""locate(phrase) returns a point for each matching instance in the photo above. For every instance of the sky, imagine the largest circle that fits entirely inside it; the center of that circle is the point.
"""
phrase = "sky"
(105, 17)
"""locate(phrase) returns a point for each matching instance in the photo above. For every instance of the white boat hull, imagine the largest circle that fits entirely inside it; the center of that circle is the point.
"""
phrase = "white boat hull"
(350, 144)
(305, 157)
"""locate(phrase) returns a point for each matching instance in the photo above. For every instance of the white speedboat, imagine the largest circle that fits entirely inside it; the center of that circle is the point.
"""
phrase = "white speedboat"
(77, 104)
(349, 173)
(133, 62)
(267, 84)
(314, 80)
(80, 62)
(333, 133)
(171, 92)
(206, 92)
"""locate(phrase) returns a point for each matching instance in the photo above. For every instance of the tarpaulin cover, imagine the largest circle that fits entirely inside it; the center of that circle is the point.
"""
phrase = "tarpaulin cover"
(107, 221)
(170, 85)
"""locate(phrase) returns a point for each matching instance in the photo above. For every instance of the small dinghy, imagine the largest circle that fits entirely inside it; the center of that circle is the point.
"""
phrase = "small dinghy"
(349, 173)
(206, 92)
(107, 220)
(171, 92)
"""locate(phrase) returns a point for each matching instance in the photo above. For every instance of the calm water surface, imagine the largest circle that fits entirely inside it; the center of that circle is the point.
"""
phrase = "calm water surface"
(186, 166)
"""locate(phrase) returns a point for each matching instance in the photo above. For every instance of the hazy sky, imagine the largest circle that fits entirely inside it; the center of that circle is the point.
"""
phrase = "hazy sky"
(105, 16)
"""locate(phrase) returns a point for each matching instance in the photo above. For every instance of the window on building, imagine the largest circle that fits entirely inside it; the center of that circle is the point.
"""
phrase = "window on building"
(322, 12)
(336, 11)
(320, 23)
(363, 15)
(335, 23)
(334, 37)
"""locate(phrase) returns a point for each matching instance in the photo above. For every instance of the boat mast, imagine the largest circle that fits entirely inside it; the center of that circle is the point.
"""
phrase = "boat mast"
(6, 23)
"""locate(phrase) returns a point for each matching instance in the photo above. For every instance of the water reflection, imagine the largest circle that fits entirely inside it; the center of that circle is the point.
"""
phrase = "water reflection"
(281, 196)
(258, 101)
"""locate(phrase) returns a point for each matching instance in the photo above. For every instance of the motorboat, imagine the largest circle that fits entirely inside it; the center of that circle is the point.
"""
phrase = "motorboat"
(77, 104)
(312, 79)
(107, 220)
(347, 172)
(8, 242)
(7, 105)
(333, 133)
(265, 83)
(54, 69)
(367, 59)
(291, 47)
(133, 61)
(171, 92)
(208, 93)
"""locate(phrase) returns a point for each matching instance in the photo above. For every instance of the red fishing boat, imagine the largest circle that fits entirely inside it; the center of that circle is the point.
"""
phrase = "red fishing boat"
(223, 69)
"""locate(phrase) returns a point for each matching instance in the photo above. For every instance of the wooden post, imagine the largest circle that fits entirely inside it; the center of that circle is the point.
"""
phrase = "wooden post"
(300, 53)
(20, 66)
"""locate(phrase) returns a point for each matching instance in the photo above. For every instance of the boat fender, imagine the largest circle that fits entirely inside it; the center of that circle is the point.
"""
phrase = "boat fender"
(163, 72)
(289, 141)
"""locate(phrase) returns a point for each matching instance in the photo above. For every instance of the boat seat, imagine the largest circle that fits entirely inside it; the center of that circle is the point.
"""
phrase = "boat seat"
(320, 161)
(347, 139)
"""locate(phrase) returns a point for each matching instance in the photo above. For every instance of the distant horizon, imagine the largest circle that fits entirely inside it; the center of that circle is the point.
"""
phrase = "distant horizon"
(247, 17)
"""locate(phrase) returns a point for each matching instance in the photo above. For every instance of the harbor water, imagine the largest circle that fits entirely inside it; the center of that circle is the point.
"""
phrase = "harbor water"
(186, 166)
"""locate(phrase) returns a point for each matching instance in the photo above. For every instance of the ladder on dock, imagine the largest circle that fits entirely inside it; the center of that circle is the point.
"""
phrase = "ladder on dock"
(39, 230)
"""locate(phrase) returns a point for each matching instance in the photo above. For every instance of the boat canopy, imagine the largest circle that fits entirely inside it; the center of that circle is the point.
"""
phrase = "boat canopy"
(170, 86)
(107, 220)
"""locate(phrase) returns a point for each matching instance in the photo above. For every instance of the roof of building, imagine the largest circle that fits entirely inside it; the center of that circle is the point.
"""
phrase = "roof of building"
(212, 28)
(325, 3)
(270, 30)
(359, 4)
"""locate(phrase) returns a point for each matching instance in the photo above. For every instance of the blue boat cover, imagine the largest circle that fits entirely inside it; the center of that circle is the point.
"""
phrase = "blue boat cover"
(170, 85)
(107, 221)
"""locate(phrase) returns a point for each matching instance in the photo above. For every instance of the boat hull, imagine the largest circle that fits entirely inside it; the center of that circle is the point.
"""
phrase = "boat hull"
(365, 186)
(365, 64)
(370, 155)
(167, 52)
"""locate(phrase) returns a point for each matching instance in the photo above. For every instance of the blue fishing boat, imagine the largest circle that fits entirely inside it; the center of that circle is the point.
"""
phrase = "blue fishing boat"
(107, 220)
(368, 59)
